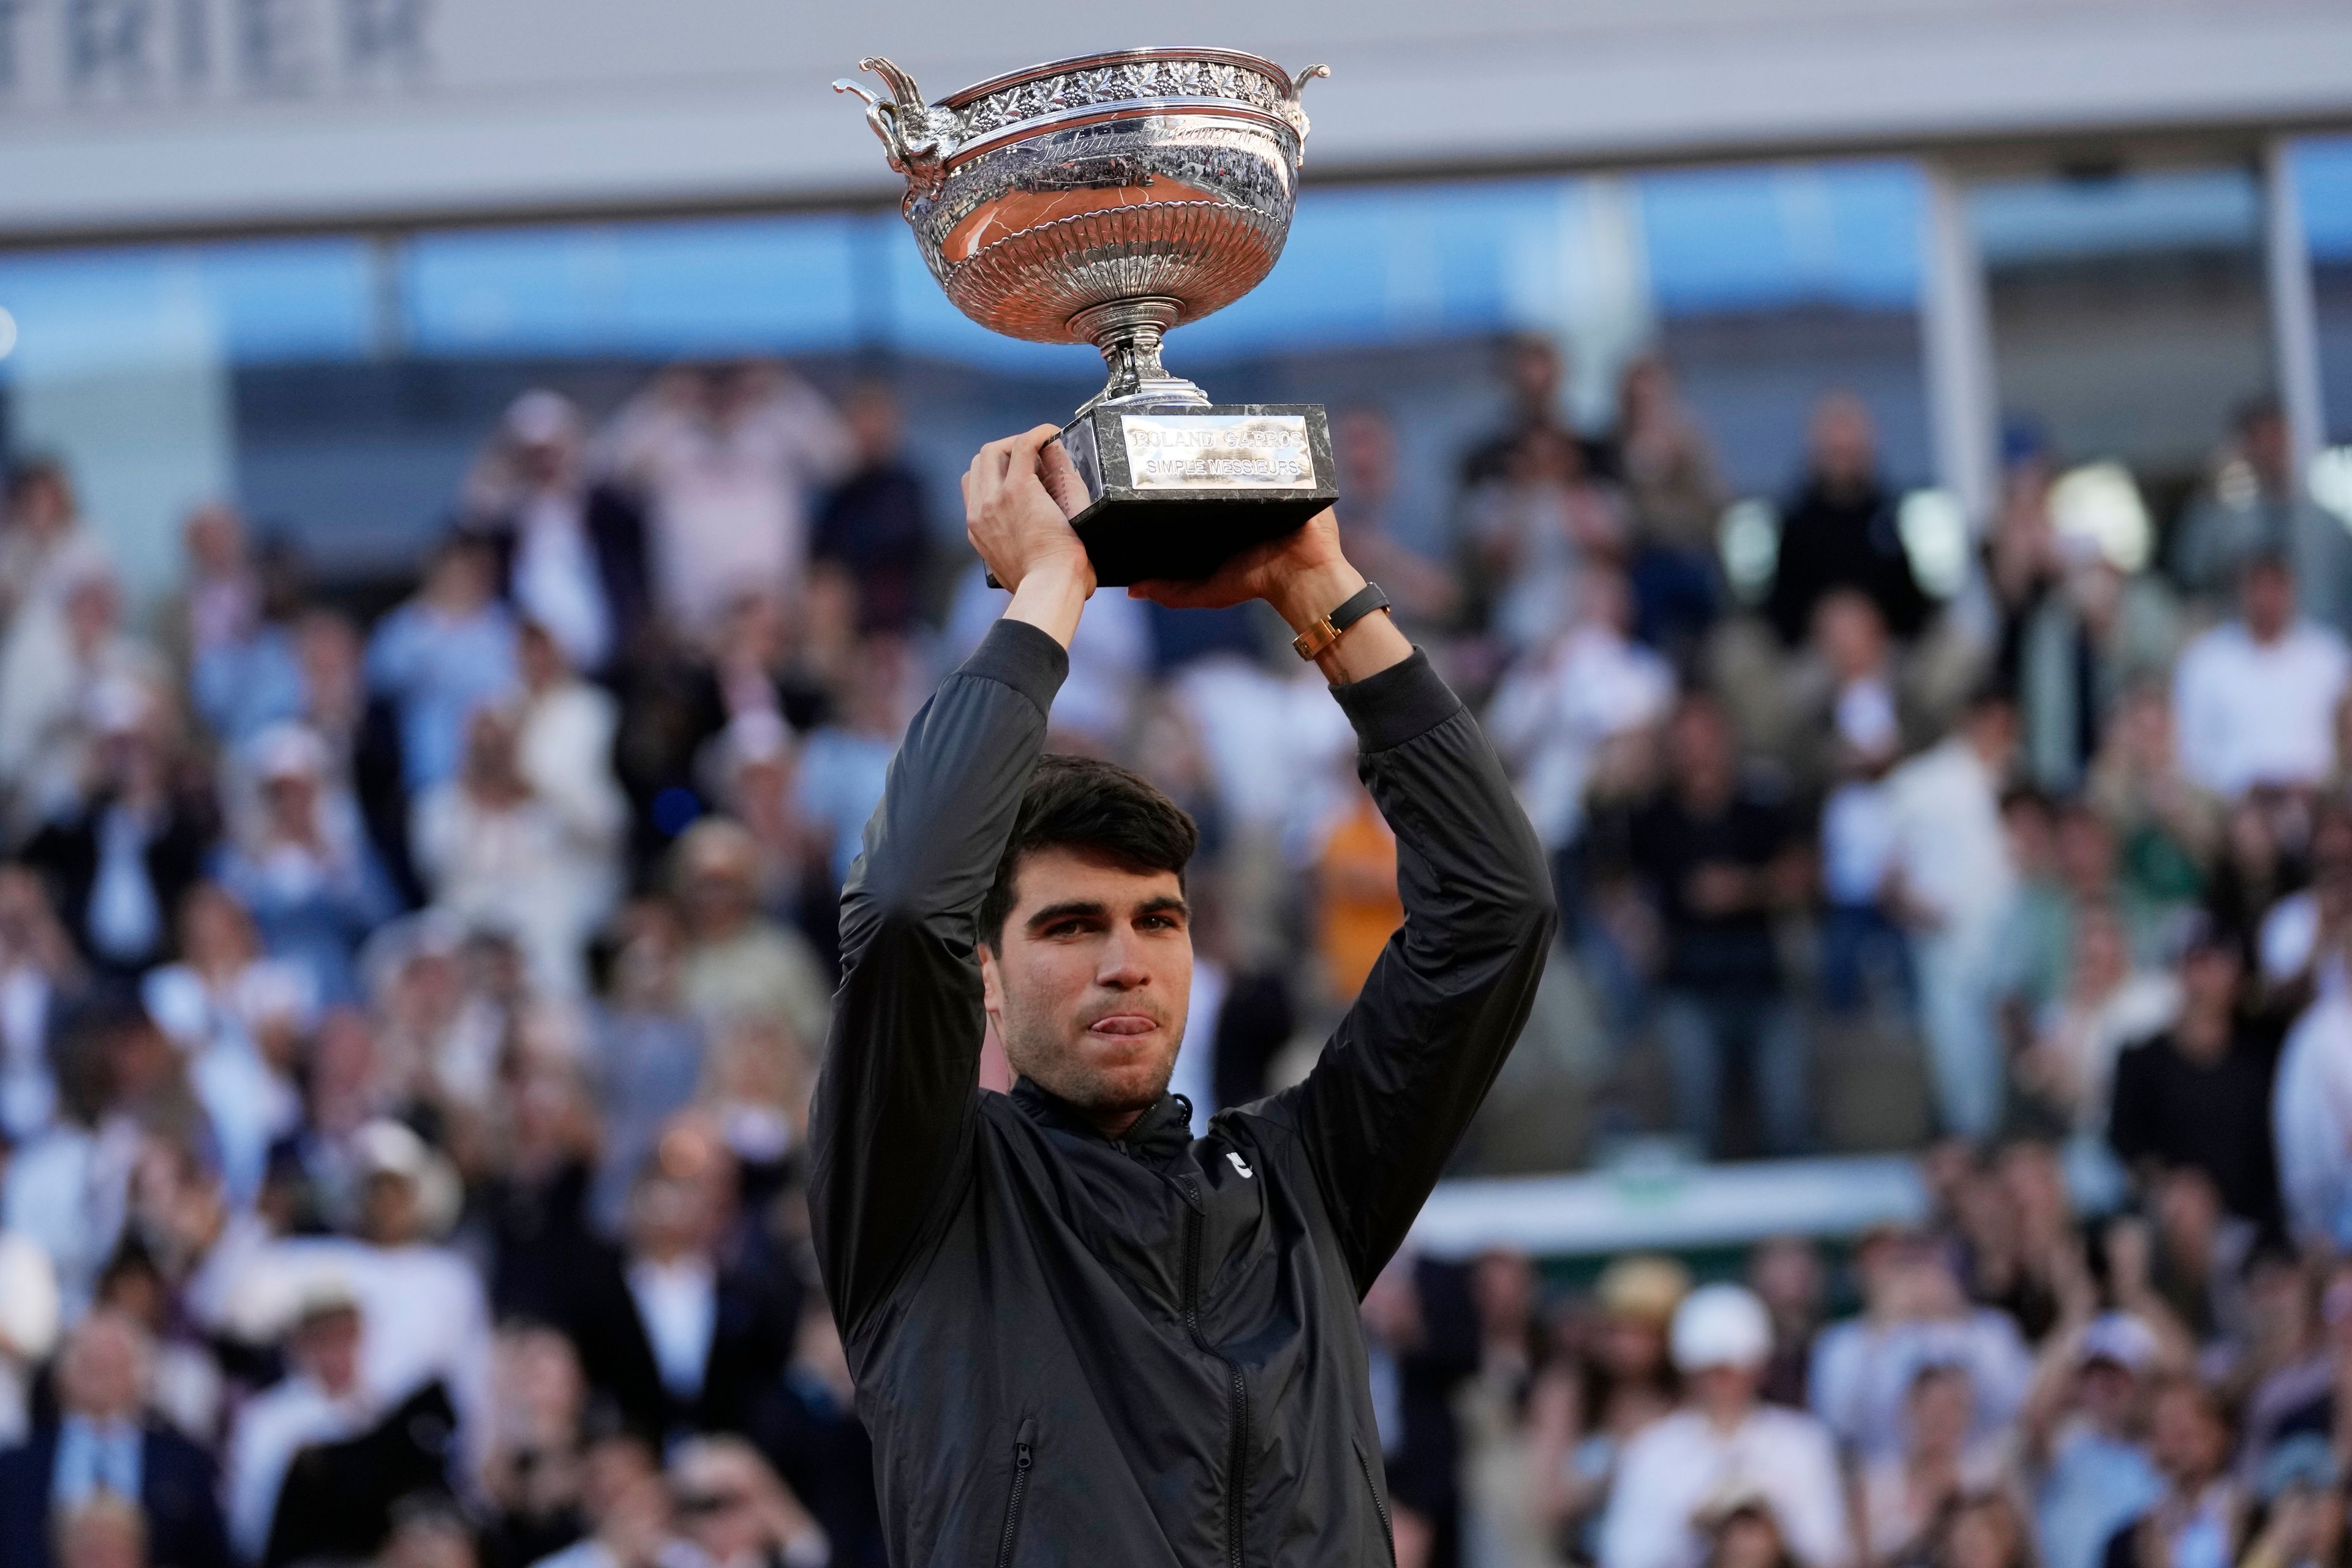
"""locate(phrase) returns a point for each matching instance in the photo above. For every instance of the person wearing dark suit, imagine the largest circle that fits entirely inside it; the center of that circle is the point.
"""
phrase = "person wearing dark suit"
(116, 868)
(102, 1442)
(571, 553)
(807, 1427)
(678, 1339)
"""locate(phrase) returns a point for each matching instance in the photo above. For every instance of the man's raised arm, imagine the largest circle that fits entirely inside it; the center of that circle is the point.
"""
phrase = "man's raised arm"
(1404, 1072)
(891, 1128)
(1408, 1066)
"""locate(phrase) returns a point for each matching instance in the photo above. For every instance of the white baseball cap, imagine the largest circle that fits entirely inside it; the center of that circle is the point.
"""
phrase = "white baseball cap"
(1721, 1325)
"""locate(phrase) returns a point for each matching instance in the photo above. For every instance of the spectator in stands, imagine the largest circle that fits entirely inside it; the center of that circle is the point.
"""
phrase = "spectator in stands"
(2085, 1457)
(2064, 1072)
(730, 458)
(533, 1478)
(2166, 830)
(1354, 903)
(69, 676)
(226, 634)
(1722, 862)
(2199, 1092)
(1677, 497)
(877, 525)
(39, 971)
(1983, 1530)
(321, 1399)
(422, 1306)
(564, 732)
(361, 734)
(441, 656)
(43, 541)
(571, 553)
(2302, 1520)
(680, 1338)
(1863, 948)
(1785, 1272)
(2256, 505)
(2312, 1122)
(1535, 529)
(302, 866)
(119, 855)
(1602, 1389)
(737, 960)
(1425, 593)
(502, 855)
(1951, 880)
(730, 1508)
(1944, 1459)
(1534, 372)
(808, 1428)
(1915, 1315)
(2256, 697)
(103, 1442)
(1554, 709)
(1722, 1437)
(843, 762)
(1839, 530)
(2199, 1520)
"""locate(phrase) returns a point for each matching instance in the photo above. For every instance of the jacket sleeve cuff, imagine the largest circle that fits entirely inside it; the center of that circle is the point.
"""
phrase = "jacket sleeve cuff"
(1401, 703)
(1018, 655)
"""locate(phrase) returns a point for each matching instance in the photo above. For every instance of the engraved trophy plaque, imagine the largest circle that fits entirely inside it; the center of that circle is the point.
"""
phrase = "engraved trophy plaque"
(1107, 199)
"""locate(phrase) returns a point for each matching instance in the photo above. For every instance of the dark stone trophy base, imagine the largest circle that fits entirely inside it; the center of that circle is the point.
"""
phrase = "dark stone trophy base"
(1174, 492)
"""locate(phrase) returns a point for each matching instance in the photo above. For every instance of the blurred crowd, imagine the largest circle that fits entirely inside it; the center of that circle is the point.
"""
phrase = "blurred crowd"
(407, 1022)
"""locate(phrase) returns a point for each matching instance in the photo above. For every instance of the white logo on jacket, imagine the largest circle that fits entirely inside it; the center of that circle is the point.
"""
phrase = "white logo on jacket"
(1236, 1159)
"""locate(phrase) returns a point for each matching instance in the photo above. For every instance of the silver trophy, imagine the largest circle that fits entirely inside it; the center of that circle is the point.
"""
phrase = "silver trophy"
(1106, 200)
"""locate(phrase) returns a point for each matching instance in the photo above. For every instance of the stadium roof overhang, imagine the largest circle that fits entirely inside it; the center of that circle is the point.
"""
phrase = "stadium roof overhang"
(205, 117)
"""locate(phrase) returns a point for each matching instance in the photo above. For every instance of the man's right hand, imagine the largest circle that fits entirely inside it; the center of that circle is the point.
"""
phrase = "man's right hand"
(1023, 533)
(1010, 515)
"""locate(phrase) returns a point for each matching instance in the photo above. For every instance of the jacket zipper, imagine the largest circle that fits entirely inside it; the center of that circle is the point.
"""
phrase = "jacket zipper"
(1380, 1506)
(1022, 1460)
(1237, 1442)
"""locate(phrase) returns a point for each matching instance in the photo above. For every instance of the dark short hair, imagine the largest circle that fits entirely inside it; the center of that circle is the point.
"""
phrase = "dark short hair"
(1096, 809)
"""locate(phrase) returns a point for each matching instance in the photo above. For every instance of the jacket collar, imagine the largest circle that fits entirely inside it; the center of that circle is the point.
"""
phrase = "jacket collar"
(1159, 1135)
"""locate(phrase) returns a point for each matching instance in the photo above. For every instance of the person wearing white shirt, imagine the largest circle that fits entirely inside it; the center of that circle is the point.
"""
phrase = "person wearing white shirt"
(2311, 1121)
(1554, 708)
(1952, 877)
(321, 1400)
(421, 1307)
(1721, 1439)
(730, 456)
(1916, 1316)
(2256, 697)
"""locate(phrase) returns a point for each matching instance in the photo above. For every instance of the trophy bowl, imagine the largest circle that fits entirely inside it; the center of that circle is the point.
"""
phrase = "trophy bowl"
(1107, 199)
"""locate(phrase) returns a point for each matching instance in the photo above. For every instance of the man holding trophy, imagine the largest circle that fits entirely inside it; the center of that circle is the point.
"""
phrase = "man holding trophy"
(1079, 1334)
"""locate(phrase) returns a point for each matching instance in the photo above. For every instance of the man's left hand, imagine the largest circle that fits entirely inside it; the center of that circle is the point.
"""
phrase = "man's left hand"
(1305, 575)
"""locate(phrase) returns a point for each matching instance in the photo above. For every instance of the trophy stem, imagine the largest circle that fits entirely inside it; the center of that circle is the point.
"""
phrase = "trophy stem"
(1128, 332)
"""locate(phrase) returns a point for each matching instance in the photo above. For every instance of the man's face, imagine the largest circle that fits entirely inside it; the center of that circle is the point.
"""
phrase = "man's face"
(392, 1212)
(328, 1347)
(2107, 1391)
(1088, 983)
(103, 1369)
(2189, 1445)
(2267, 599)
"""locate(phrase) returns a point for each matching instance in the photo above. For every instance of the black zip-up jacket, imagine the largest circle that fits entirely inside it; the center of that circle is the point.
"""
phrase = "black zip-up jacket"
(1143, 1353)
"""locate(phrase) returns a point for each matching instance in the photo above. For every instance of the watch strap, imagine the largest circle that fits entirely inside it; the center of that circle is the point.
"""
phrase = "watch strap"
(1321, 633)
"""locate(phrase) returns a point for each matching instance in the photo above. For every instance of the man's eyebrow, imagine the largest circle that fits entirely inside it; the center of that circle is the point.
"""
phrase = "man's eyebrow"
(1065, 910)
(1167, 903)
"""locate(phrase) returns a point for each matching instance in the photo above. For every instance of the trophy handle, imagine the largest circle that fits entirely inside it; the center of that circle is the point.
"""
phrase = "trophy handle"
(914, 135)
(1290, 110)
